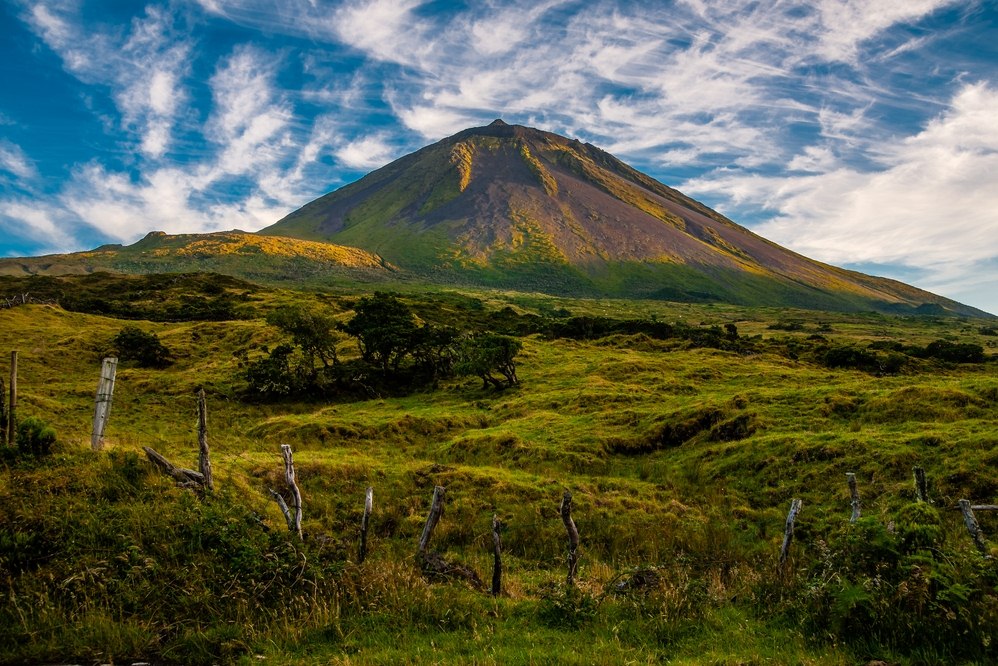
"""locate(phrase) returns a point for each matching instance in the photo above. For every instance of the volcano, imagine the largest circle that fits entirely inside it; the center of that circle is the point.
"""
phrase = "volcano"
(519, 208)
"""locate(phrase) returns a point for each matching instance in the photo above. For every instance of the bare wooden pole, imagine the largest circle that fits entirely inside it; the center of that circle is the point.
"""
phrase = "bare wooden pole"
(365, 521)
(284, 508)
(984, 507)
(187, 478)
(204, 461)
(3, 412)
(291, 479)
(854, 494)
(12, 403)
(573, 537)
(788, 532)
(921, 493)
(497, 557)
(102, 403)
(970, 520)
(436, 510)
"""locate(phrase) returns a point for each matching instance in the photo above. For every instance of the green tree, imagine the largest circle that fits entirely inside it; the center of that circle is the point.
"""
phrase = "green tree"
(133, 344)
(485, 354)
(385, 329)
(313, 331)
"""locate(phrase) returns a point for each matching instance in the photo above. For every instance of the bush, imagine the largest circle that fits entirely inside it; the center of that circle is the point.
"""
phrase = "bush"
(134, 344)
(35, 436)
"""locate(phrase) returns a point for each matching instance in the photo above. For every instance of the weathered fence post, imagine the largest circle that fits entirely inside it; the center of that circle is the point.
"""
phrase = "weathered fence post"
(970, 520)
(854, 494)
(497, 557)
(204, 462)
(291, 479)
(573, 537)
(921, 493)
(186, 478)
(12, 404)
(365, 521)
(788, 532)
(3, 412)
(436, 509)
(102, 403)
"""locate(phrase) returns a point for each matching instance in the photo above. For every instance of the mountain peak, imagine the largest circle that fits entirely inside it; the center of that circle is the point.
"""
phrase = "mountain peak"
(498, 122)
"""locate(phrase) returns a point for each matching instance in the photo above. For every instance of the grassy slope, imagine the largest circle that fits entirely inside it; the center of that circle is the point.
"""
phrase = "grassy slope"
(710, 512)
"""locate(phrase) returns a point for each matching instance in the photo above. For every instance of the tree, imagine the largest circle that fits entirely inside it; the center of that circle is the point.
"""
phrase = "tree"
(312, 331)
(134, 344)
(488, 353)
(385, 329)
(273, 376)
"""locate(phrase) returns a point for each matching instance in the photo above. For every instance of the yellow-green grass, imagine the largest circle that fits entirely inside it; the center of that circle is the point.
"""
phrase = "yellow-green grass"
(709, 512)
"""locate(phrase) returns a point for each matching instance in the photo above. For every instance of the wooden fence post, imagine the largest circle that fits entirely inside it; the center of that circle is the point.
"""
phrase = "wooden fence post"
(970, 520)
(921, 493)
(788, 532)
(204, 462)
(573, 537)
(365, 521)
(497, 557)
(3, 412)
(12, 404)
(291, 479)
(102, 403)
(436, 509)
(854, 494)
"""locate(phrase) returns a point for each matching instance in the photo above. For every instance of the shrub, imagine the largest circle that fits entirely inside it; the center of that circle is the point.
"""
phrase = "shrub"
(488, 353)
(35, 436)
(134, 344)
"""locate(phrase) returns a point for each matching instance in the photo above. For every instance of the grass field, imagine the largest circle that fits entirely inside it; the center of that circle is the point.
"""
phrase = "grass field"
(679, 457)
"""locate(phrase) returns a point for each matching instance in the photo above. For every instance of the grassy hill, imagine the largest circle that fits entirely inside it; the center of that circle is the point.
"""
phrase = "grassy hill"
(680, 456)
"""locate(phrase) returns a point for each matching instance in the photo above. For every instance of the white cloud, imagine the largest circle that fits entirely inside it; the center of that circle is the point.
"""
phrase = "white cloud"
(14, 161)
(931, 206)
(365, 153)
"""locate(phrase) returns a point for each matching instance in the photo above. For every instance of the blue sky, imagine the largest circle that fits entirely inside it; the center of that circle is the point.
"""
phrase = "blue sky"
(863, 133)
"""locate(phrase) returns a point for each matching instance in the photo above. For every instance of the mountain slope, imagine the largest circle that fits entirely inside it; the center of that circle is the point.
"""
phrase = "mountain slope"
(237, 253)
(506, 205)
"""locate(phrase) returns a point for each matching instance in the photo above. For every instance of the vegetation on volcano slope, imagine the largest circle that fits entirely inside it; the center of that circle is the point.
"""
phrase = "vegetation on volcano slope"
(680, 455)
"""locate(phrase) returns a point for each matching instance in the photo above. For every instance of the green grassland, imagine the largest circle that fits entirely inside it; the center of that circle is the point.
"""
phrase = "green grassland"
(679, 457)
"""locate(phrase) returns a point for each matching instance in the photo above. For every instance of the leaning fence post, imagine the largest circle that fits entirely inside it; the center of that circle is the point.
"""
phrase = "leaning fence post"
(12, 405)
(854, 494)
(970, 520)
(788, 532)
(204, 462)
(102, 403)
(436, 509)
(291, 479)
(921, 494)
(573, 537)
(497, 557)
(365, 521)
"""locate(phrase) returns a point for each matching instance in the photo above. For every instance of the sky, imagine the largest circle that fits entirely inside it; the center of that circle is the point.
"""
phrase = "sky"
(862, 133)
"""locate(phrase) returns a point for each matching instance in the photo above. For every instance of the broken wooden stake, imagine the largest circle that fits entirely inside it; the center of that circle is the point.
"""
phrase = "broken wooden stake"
(365, 521)
(102, 403)
(284, 508)
(291, 480)
(921, 493)
(970, 520)
(497, 557)
(12, 404)
(3, 412)
(204, 462)
(573, 537)
(854, 494)
(788, 532)
(984, 507)
(186, 478)
(436, 509)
